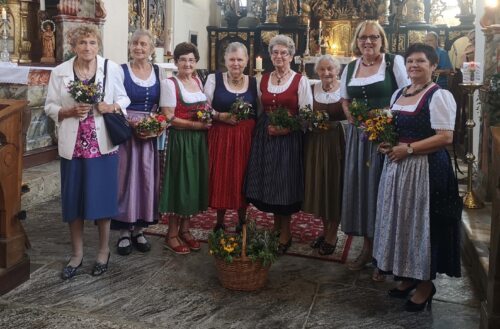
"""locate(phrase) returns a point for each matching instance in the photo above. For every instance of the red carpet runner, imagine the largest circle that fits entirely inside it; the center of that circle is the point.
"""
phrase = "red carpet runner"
(305, 228)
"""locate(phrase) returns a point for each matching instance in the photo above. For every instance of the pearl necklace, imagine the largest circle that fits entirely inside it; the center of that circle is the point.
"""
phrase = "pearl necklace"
(370, 63)
(279, 77)
(405, 92)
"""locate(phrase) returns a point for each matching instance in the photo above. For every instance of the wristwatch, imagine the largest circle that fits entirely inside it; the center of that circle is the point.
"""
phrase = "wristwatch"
(409, 150)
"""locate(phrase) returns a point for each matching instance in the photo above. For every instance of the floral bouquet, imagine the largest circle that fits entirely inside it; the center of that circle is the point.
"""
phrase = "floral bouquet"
(242, 110)
(281, 118)
(86, 92)
(151, 125)
(224, 246)
(204, 114)
(379, 127)
(313, 119)
(359, 112)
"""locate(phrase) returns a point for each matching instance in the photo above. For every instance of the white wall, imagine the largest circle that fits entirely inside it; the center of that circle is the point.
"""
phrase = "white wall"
(115, 36)
(193, 15)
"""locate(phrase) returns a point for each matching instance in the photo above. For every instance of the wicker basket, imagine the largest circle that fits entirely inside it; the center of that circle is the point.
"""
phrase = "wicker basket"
(242, 274)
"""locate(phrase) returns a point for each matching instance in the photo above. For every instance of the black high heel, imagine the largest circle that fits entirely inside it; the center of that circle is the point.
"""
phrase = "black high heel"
(100, 268)
(70, 271)
(414, 307)
(397, 293)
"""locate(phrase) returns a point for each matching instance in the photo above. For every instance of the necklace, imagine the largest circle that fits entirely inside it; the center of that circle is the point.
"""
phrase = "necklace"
(86, 76)
(281, 76)
(332, 86)
(370, 63)
(405, 92)
(238, 82)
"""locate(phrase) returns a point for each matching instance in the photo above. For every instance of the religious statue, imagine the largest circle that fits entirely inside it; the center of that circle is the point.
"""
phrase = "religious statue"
(48, 42)
(415, 11)
(466, 7)
(289, 7)
(272, 12)
(100, 11)
(68, 7)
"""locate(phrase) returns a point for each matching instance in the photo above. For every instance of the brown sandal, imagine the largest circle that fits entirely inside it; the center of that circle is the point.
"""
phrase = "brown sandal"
(187, 237)
(181, 249)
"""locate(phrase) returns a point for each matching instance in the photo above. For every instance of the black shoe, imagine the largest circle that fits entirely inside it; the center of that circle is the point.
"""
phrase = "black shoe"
(316, 243)
(327, 248)
(397, 293)
(100, 268)
(124, 251)
(282, 248)
(142, 247)
(219, 226)
(69, 271)
(414, 307)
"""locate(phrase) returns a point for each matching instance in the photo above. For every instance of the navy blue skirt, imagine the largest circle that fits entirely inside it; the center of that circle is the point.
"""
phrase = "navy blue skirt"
(89, 188)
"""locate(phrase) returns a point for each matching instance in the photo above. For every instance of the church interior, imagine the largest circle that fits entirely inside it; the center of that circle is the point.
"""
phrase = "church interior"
(163, 290)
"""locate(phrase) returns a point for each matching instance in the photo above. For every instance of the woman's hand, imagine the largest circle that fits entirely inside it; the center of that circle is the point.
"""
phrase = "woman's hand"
(384, 148)
(277, 131)
(228, 118)
(398, 152)
(103, 107)
(80, 110)
(200, 125)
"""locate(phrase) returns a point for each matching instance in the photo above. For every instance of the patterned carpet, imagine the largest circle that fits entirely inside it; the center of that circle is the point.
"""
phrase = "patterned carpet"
(305, 228)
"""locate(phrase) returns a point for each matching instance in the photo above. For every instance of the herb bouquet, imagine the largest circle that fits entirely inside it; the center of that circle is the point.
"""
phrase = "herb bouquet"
(243, 261)
(242, 110)
(151, 126)
(379, 127)
(281, 118)
(313, 119)
(86, 92)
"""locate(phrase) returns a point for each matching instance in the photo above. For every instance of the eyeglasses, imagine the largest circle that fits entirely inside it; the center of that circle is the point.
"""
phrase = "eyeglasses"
(373, 38)
(187, 60)
(278, 53)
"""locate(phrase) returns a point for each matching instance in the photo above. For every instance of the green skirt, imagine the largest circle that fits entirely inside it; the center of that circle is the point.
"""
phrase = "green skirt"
(185, 183)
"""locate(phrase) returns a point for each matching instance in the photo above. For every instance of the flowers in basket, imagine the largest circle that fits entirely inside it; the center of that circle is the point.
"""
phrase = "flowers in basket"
(313, 119)
(261, 245)
(242, 110)
(151, 125)
(281, 118)
(84, 91)
(379, 127)
(204, 114)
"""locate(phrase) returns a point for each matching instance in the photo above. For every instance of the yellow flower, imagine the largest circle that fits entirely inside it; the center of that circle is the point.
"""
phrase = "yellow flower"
(199, 114)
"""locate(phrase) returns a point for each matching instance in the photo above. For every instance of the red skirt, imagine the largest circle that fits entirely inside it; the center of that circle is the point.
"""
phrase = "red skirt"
(228, 153)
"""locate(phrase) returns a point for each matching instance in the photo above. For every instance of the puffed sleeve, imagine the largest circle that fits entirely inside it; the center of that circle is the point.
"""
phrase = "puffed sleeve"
(394, 95)
(443, 110)
(167, 94)
(210, 87)
(304, 92)
(400, 73)
(343, 84)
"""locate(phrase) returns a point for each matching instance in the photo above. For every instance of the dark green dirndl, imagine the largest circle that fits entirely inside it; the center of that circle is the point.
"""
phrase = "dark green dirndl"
(185, 184)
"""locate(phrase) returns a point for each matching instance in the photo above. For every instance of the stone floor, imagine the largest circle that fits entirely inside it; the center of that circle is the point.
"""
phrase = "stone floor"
(163, 290)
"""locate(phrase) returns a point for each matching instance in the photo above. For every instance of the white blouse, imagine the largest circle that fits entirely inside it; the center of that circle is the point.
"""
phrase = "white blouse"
(210, 86)
(399, 70)
(168, 94)
(442, 108)
(304, 92)
(149, 82)
(325, 97)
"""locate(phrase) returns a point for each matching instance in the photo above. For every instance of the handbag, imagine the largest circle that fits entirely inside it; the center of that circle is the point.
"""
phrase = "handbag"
(117, 126)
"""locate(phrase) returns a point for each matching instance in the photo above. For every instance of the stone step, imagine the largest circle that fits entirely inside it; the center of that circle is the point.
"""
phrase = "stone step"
(43, 182)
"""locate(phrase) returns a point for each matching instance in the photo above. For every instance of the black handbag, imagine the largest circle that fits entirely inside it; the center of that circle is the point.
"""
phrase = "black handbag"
(117, 126)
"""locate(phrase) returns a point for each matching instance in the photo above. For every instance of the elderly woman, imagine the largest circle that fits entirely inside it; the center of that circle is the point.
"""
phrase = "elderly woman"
(138, 157)
(89, 160)
(419, 235)
(229, 140)
(275, 174)
(444, 66)
(372, 78)
(185, 184)
(324, 156)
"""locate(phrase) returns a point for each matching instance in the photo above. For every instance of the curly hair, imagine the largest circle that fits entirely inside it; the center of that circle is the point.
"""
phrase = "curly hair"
(83, 31)
(282, 40)
(185, 48)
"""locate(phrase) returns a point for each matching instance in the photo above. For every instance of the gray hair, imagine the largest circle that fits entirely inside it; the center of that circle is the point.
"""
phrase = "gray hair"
(142, 33)
(83, 31)
(282, 40)
(234, 46)
(436, 38)
(329, 59)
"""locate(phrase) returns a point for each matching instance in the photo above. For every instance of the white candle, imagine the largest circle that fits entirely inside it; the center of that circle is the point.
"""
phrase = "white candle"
(258, 63)
(4, 14)
(42, 5)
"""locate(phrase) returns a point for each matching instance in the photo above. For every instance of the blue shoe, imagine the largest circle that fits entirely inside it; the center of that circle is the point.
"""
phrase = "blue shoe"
(69, 271)
(100, 268)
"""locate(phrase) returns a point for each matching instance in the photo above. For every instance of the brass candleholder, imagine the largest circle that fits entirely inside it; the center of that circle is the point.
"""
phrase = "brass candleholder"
(258, 73)
(471, 201)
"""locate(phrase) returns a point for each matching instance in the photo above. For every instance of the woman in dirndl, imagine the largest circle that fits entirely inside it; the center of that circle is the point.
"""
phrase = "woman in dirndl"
(229, 140)
(275, 174)
(324, 149)
(138, 165)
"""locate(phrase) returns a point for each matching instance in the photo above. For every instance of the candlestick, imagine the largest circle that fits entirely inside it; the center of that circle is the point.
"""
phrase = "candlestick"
(4, 55)
(4, 14)
(42, 5)
(258, 73)
(258, 63)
